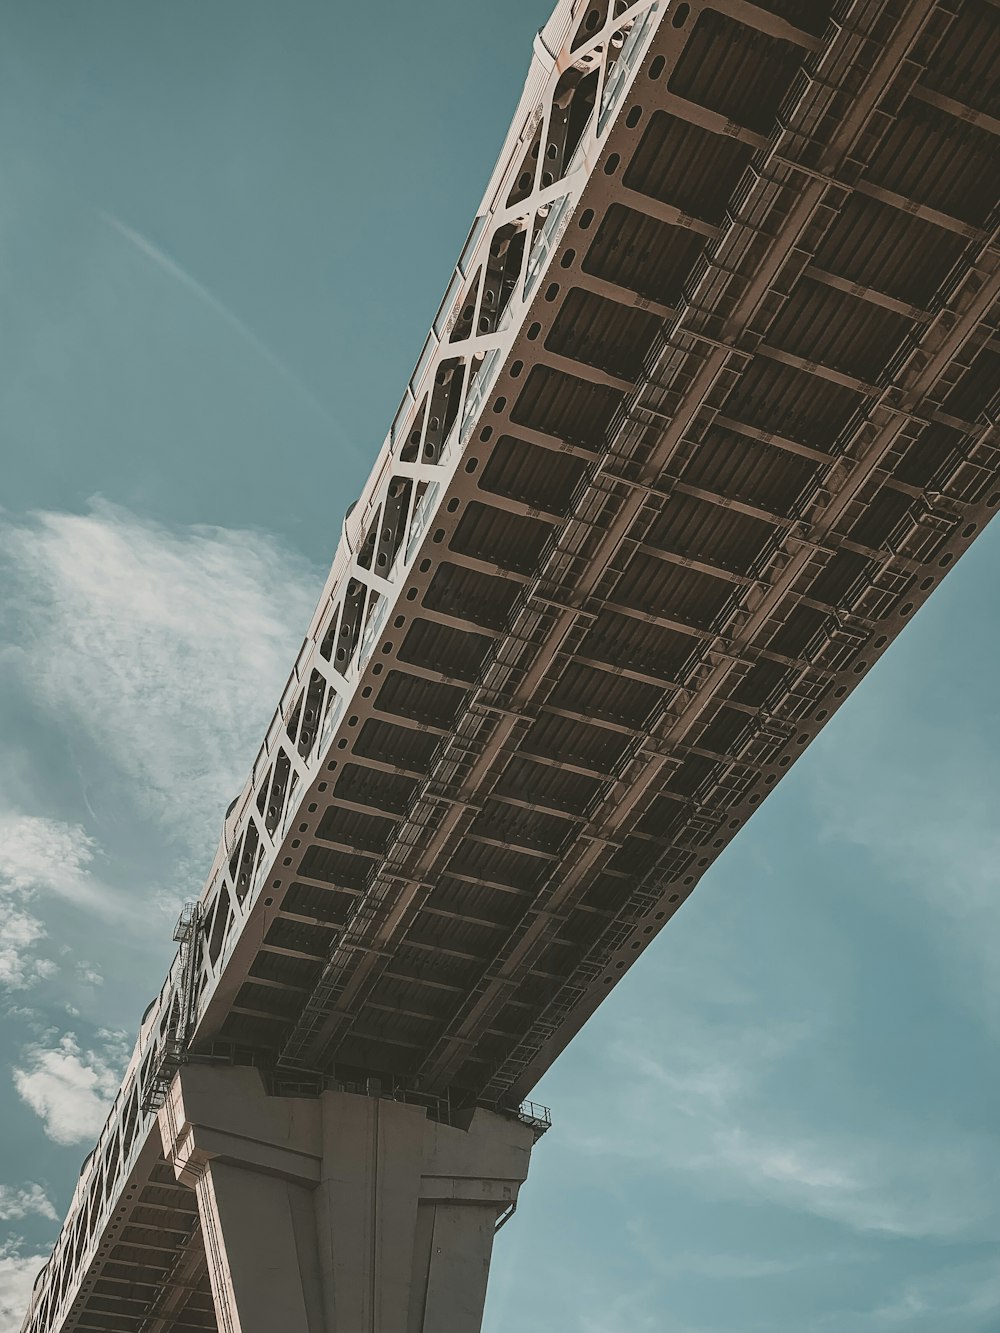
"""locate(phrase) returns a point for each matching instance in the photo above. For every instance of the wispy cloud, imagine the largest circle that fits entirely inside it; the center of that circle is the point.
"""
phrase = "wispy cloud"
(173, 270)
(702, 1099)
(70, 1089)
(724, 1267)
(706, 1103)
(965, 1295)
(925, 816)
(167, 648)
(639, 1311)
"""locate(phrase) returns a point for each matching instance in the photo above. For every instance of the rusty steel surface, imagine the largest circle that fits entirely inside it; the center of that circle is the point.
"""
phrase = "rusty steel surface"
(706, 414)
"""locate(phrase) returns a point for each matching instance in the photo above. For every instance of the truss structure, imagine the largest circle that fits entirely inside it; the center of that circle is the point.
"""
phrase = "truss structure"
(706, 413)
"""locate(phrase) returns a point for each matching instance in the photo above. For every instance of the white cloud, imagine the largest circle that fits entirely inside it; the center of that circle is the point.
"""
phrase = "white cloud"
(21, 1200)
(168, 648)
(20, 967)
(42, 857)
(38, 852)
(17, 1276)
(68, 1088)
(53, 857)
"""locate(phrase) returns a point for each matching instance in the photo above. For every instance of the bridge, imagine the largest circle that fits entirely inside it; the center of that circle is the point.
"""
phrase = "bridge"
(706, 413)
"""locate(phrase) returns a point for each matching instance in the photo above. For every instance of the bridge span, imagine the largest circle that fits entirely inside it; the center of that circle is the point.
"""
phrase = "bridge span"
(706, 413)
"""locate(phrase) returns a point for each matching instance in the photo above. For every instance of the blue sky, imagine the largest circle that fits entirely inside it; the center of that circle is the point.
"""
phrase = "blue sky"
(224, 230)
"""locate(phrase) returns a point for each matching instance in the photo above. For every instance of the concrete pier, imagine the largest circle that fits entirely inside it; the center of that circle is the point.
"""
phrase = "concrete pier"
(342, 1213)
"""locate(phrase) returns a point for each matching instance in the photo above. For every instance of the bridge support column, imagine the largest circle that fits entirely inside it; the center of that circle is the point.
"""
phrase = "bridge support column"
(343, 1213)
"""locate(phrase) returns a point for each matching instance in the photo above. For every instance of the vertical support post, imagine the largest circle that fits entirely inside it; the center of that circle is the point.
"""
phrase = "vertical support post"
(341, 1214)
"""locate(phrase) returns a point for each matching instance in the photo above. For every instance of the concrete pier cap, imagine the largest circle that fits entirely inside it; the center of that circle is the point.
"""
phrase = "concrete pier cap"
(342, 1213)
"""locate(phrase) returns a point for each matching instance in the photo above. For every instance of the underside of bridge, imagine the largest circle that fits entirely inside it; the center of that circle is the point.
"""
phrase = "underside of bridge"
(673, 530)
(708, 413)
